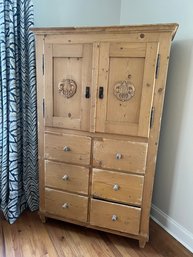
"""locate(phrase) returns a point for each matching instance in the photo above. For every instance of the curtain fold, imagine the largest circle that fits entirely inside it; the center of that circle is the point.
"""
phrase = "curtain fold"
(18, 115)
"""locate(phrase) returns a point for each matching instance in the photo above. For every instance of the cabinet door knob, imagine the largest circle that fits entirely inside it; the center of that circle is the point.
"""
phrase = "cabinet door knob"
(67, 149)
(114, 217)
(101, 94)
(118, 156)
(87, 92)
(65, 177)
(65, 205)
(116, 187)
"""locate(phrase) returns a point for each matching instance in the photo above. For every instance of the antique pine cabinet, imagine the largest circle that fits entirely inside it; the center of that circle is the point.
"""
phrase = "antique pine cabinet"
(100, 98)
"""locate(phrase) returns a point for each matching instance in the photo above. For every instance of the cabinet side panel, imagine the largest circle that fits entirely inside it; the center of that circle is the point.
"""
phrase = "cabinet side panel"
(164, 51)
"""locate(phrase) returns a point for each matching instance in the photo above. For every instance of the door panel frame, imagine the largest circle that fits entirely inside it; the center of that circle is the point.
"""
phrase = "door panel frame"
(83, 123)
(48, 80)
(148, 88)
(134, 129)
(103, 76)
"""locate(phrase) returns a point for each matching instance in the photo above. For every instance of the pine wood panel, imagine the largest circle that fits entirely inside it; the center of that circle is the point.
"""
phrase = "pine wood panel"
(76, 208)
(101, 107)
(101, 37)
(128, 218)
(48, 82)
(68, 50)
(127, 50)
(67, 68)
(159, 92)
(79, 148)
(74, 62)
(117, 186)
(66, 177)
(126, 63)
(133, 155)
(97, 136)
(94, 86)
(86, 81)
(148, 88)
(167, 27)
(123, 117)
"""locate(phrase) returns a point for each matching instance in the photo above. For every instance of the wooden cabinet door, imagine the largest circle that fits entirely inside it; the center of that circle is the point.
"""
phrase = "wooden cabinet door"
(125, 87)
(68, 79)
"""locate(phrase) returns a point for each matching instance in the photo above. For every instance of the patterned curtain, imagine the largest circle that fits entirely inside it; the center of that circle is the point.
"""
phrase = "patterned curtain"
(18, 125)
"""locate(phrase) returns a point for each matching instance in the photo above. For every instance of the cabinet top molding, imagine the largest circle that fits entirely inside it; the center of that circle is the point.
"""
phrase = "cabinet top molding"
(165, 27)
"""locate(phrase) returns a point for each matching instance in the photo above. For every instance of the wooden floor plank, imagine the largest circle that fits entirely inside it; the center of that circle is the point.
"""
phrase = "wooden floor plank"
(116, 244)
(28, 237)
(148, 251)
(81, 241)
(2, 246)
(60, 238)
(124, 245)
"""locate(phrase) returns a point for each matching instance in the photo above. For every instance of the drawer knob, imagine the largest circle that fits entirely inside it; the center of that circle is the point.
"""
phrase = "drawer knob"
(116, 187)
(65, 178)
(67, 149)
(65, 205)
(118, 156)
(114, 217)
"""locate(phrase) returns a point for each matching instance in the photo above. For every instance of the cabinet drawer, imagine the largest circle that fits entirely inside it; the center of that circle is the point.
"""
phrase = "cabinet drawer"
(66, 205)
(66, 177)
(117, 186)
(120, 155)
(68, 148)
(115, 216)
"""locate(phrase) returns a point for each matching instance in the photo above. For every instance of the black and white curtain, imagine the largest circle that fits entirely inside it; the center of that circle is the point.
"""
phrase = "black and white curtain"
(18, 124)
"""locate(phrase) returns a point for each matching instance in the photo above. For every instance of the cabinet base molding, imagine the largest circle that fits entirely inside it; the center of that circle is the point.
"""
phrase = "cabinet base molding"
(143, 239)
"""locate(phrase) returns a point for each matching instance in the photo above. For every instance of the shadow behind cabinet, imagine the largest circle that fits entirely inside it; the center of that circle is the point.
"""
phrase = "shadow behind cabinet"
(100, 98)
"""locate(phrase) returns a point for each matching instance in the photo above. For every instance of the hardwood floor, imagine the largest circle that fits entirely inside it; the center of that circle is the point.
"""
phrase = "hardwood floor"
(28, 236)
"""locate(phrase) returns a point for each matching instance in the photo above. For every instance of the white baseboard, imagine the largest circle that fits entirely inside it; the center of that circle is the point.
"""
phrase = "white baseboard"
(180, 233)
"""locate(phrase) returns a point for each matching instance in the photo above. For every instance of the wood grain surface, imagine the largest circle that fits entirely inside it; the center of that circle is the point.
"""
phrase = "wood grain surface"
(29, 237)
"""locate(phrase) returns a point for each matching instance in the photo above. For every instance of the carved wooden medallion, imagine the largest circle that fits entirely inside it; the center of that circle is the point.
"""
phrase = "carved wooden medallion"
(124, 90)
(67, 87)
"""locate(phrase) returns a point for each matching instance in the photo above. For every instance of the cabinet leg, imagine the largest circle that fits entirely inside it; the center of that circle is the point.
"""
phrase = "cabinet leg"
(42, 217)
(142, 243)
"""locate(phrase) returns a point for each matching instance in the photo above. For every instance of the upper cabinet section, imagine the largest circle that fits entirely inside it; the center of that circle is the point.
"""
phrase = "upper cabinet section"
(101, 79)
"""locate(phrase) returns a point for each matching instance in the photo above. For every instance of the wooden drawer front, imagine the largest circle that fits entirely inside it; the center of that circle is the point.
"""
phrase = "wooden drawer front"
(117, 186)
(66, 177)
(68, 148)
(120, 155)
(115, 216)
(66, 205)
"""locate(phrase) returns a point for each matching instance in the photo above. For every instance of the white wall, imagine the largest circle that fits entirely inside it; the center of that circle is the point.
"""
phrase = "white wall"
(66, 13)
(173, 191)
